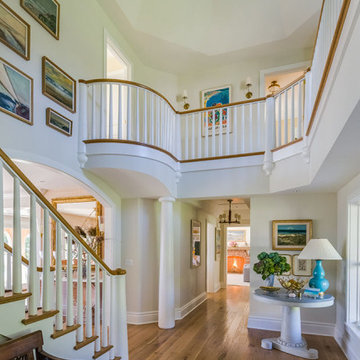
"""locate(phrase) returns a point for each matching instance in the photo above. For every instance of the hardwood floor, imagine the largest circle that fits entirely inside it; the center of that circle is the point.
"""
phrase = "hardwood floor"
(216, 330)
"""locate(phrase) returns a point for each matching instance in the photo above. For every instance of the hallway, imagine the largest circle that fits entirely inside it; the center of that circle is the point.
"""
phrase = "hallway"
(216, 330)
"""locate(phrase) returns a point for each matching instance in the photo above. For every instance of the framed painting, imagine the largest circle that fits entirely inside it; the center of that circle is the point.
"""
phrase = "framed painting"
(291, 234)
(217, 243)
(195, 243)
(216, 121)
(58, 122)
(301, 267)
(14, 31)
(58, 85)
(16, 92)
(46, 13)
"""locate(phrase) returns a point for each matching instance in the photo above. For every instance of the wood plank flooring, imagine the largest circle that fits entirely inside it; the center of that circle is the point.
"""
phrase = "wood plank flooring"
(216, 330)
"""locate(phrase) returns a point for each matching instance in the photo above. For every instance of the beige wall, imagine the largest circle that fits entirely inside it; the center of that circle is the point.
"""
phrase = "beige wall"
(322, 209)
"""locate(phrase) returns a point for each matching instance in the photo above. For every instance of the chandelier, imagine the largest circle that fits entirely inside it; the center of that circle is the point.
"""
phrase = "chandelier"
(227, 218)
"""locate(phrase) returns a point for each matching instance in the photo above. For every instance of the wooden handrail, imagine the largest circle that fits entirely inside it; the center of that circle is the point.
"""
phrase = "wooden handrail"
(288, 85)
(329, 61)
(24, 260)
(42, 198)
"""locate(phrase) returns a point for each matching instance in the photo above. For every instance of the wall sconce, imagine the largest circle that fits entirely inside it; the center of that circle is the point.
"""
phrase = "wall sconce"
(185, 97)
(248, 84)
(274, 87)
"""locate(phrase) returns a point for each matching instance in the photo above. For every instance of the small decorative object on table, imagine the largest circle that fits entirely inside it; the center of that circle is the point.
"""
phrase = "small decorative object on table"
(292, 285)
(270, 265)
(270, 288)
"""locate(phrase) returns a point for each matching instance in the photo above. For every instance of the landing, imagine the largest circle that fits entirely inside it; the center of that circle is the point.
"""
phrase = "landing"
(216, 330)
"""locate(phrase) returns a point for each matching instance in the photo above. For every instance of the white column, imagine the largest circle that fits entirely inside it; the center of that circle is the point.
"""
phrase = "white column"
(166, 269)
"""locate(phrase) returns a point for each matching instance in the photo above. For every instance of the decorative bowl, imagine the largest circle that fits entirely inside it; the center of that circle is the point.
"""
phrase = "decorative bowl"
(291, 284)
(270, 288)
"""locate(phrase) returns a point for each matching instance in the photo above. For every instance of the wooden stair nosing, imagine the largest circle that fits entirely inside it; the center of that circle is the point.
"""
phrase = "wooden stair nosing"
(87, 341)
(14, 297)
(102, 351)
(117, 358)
(43, 315)
(67, 329)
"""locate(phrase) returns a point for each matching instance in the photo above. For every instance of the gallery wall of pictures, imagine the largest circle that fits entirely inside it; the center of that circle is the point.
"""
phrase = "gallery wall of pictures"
(16, 92)
(293, 235)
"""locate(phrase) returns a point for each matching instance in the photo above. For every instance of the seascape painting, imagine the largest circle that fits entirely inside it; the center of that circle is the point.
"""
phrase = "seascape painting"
(14, 31)
(216, 97)
(58, 122)
(46, 12)
(291, 234)
(58, 86)
(16, 92)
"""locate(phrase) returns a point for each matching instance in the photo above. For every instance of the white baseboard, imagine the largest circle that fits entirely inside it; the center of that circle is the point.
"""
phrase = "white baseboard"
(308, 327)
(148, 317)
(346, 341)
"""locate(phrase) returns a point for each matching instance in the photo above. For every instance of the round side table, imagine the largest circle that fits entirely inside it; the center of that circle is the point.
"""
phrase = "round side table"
(290, 340)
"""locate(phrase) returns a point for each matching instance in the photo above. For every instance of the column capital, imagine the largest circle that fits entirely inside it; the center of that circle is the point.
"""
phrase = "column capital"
(167, 199)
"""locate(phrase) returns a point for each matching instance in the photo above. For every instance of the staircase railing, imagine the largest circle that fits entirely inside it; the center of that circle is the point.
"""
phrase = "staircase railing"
(124, 111)
(71, 252)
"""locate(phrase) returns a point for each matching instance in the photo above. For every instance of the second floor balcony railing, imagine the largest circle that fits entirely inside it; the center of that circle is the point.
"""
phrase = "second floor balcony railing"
(128, 112)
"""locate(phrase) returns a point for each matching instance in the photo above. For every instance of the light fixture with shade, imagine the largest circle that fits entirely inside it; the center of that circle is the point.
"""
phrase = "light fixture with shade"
(274, 87)
(319, 249)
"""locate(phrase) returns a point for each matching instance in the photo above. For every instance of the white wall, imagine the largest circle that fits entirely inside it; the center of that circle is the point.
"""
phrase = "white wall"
(345, 337)
(321, 208)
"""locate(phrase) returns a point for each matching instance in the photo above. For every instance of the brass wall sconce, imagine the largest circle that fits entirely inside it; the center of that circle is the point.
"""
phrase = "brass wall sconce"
(185, 97)
(248, 84)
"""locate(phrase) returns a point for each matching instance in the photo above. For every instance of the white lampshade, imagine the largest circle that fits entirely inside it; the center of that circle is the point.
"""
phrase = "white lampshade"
(319, 249)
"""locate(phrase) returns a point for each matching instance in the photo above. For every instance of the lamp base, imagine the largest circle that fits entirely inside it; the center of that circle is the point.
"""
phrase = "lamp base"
(319, 281)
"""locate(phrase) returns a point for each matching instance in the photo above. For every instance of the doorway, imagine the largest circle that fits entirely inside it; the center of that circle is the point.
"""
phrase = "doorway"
(238, 255)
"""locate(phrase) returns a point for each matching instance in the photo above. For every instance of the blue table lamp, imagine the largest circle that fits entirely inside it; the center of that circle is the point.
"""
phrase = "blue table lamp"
(319, 249)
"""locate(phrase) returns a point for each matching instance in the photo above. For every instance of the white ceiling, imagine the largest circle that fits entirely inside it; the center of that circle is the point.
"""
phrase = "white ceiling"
(180, 36)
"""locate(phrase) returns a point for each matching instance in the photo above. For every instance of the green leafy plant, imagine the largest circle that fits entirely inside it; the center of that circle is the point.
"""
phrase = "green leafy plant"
(271, 264)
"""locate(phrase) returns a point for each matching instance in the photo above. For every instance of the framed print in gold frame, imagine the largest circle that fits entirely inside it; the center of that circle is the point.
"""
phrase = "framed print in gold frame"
(16, 92)
(14, 31)
(46, 13)
(57, 85)
(291, 235)
(195, 246)
(58, 122)
(301, 267)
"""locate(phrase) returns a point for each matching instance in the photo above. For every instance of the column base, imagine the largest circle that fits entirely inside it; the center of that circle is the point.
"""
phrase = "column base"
(297, 349)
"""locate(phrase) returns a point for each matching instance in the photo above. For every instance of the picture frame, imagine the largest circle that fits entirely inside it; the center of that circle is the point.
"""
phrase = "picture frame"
(301, 267)
(195, 245)
(291, 235)
(217, 96)
(47, 14)
(16, 92)
(217, 242)
(58, 122)
(289, 261)
(14, 31)
(58, 86)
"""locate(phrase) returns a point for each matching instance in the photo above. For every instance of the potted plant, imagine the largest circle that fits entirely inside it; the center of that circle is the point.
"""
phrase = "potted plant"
(270, 265)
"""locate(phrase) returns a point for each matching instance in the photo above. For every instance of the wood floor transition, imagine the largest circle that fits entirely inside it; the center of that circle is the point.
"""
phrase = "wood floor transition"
(216, 330)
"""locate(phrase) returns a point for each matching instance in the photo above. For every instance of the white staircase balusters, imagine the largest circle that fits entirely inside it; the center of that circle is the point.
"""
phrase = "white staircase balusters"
(227, 144)
(69, 279)
(220, 137)
(58, 274)
(88, 308)
(111, 112)
(243, 133)
(137, 115)
(79, 295)
(47, 293)
(104, 327)
(17, 276)
(152, 127)
(93, 117)
(235, 130)
(97, 309)
(129, 112)
(186, 137)
(120, 113)
(300, 122)
(33, 275)
(292, 126)
(145, 137)
(2, 255)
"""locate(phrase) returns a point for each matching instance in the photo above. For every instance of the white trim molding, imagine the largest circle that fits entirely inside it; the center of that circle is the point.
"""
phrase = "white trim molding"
(348, 340)
(148, 317)
(308, 327)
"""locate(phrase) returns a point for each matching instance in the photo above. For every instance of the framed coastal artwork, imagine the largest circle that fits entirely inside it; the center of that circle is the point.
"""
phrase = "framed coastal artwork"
(46, 13)
(300, 267)
(14, 31)
(216, 121)
(217, 243)
(16, 92)
(58, 122)
(195, 245)
(58, 85)
(291, 234)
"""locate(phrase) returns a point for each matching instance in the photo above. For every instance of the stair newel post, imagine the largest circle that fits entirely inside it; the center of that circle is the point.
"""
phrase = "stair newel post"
(88, 311)
(79, 312)
(69, 279)
(269, 134)
(33, 276)
(17, 278)
(58, 269)
(83, 124)
(46, 263)
(2, 265)
(119, 337)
